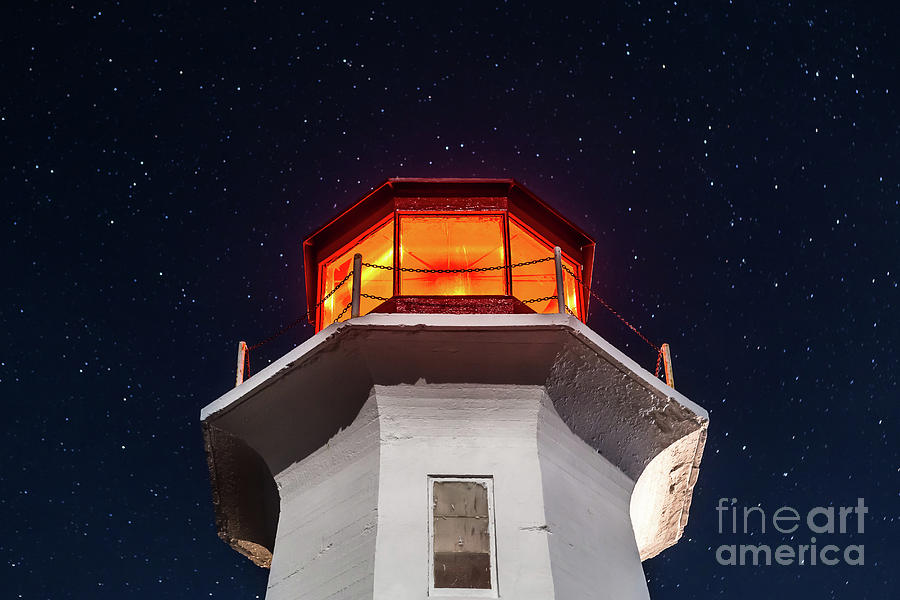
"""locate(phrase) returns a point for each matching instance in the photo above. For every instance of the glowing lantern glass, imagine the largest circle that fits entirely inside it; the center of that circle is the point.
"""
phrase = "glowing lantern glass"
(416, 240)
(377, 247)
(539, 280)
(436, 242)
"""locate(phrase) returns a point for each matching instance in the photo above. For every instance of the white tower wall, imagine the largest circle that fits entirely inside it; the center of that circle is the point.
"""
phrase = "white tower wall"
(325, 544)
(463, 431)
(586, 502)
(352, 423)
(355, 514)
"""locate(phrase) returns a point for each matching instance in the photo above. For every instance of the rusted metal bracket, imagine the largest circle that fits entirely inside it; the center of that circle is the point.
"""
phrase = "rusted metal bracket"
(241, 362)
(667, 363)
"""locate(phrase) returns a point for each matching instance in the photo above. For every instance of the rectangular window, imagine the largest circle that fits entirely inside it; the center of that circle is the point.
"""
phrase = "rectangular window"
(452, 242)
(462, 536)
(377, 248)
(539, 280)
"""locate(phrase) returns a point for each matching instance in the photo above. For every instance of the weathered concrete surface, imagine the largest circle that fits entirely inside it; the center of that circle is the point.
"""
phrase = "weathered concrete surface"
(245, 497)
(459, 430)
(586, 500)
(325, 547)
(660, 518)
(293, 407)
(355, 513)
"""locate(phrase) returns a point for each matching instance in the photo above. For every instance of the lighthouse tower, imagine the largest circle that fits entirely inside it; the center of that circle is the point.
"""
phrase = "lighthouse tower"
(453, 429)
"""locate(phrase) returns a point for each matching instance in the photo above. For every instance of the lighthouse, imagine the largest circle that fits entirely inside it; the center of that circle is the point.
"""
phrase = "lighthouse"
(453, 429)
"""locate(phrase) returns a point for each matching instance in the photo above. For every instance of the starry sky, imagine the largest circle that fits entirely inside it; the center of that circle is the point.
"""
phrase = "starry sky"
(736, 163)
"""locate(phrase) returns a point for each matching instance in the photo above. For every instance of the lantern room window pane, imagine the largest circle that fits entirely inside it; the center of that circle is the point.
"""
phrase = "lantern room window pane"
(452, 242)
(539, 280)
(461, 534)
(571, 288)
(376, 247)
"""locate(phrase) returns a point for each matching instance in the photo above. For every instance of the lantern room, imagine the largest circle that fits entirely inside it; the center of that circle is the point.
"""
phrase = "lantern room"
(447, 246)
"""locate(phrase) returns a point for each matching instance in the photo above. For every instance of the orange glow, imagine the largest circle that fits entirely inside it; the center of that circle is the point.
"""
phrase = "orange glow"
(539, 281)
(446, 241)
(452, 242)
(376, 247)
(571, 288)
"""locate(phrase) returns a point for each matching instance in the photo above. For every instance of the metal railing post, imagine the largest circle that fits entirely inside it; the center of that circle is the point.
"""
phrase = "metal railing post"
(560, 288)
(667, 363)
(357, 279)
(241, 361)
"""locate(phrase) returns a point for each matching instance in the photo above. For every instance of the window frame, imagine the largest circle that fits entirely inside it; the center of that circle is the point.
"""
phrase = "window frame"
(323, 264)
(396, 216)
(488, 482)
(579, 291)
(504, 232)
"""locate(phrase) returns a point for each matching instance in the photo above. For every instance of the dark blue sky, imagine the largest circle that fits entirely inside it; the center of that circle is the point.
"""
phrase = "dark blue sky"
(736, 163)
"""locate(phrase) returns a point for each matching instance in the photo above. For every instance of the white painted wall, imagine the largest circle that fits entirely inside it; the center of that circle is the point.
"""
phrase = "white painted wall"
(354, 515)
(460, 430)
(561, 509)
(586, 499)
(325, 545)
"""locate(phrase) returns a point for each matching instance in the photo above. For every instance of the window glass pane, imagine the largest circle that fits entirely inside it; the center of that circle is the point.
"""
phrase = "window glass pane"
(376, 247)
(571, 288)
(539, 281)
(462, 535)
(531, 281)
(452, 242)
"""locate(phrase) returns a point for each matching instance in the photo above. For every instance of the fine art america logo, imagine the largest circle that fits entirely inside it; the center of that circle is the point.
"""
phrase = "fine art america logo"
(820, 520)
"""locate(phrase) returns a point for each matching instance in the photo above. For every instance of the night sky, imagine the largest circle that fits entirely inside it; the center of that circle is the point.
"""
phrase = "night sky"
(737, 165)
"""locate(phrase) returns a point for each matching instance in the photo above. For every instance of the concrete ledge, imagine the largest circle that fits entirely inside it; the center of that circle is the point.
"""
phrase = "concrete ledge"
(650, 431)
(436, 321)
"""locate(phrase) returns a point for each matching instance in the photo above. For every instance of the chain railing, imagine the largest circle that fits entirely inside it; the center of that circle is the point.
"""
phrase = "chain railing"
(466, 270)
(542, 299)
(243, 366)
(663, 353)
